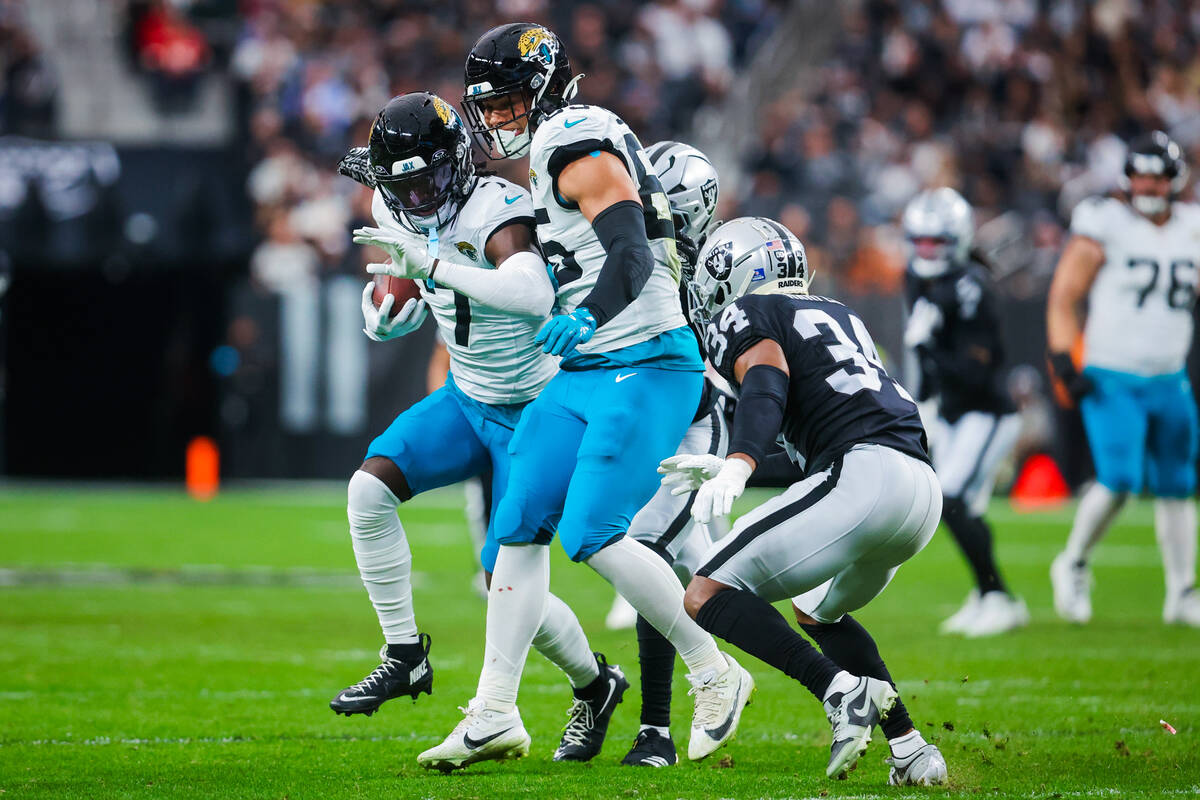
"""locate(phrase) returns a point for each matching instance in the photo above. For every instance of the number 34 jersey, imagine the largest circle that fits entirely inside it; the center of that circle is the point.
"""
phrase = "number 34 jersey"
(838, 392)
(1140, 306)
(492, 354)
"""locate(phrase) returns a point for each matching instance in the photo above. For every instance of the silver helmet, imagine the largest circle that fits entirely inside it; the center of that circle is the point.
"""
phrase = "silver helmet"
(747, 255)
(690, 181)
(939, 226)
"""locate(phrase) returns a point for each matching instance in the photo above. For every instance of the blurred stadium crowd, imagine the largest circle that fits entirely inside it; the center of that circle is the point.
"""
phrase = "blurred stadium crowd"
(1012, 101)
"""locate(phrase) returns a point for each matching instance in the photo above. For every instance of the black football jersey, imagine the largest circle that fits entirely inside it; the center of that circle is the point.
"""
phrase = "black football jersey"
(963, 363)
(838, 392)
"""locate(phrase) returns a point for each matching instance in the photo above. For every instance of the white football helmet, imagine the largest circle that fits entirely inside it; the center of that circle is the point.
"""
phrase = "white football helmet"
(939, 227)
(691, 183)
(747, 255)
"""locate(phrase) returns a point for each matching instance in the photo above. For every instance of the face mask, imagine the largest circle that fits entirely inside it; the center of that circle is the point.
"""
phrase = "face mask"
(1149, 204)
(512, 144)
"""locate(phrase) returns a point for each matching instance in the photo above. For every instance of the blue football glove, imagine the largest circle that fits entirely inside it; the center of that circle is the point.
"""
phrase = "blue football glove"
(563, 333)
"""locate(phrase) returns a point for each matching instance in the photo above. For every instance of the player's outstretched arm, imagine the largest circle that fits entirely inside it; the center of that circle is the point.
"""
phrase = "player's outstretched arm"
(519, 285)
(1073, 277)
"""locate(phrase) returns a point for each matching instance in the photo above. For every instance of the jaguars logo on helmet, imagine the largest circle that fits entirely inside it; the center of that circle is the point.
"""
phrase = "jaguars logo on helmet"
(445, 112)
(537, 44)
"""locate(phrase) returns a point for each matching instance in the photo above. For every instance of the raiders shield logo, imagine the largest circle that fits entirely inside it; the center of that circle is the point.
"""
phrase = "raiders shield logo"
(708, 193)
(719, 262)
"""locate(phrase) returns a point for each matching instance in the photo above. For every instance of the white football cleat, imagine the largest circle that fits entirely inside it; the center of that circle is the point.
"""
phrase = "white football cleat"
(1183, 609)
(1072, 589)
(998, 613)
(719, 703)
(853, 714)
(484, 734)
(961, 619)
(622, 616)
(924, 767)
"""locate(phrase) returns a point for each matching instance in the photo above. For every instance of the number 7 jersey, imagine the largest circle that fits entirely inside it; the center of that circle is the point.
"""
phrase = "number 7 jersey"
(493, 357)
(838, 392)
(1139, 318)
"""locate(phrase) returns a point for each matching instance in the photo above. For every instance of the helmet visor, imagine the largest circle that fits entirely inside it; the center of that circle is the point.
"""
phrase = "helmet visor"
(420, 193)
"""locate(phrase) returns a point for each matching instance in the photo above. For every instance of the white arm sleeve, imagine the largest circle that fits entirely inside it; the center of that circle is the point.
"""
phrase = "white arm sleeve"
(520, 285)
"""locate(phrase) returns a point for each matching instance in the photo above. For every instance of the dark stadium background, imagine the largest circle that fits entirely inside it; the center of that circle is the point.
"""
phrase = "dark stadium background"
(174, 242)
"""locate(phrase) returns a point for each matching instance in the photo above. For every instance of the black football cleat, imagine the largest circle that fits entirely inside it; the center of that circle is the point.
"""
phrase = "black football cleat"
(391, 679)
(650, 749)
(587, 722)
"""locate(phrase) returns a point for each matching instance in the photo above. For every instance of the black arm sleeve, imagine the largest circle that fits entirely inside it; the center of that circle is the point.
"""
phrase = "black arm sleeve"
(621, 229)
(759, 414)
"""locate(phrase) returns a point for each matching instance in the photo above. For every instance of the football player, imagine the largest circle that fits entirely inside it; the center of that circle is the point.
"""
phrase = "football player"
(953, 331)
(470, 241)
(665, 524)
(586, 449)
(1134, 261)
(806, 369)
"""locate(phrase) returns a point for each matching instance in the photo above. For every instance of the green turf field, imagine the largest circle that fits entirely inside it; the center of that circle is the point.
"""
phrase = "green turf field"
(152, 646)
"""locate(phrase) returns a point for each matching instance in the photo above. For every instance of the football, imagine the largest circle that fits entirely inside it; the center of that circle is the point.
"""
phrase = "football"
(404, 289)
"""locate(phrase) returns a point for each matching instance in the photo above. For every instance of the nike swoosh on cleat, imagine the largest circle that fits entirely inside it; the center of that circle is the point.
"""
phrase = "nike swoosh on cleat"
(865, 706)
(475, 744)
(612, 687)
(718, 732)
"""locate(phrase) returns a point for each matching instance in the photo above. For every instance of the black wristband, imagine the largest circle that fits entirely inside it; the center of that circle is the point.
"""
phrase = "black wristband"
(759, 414)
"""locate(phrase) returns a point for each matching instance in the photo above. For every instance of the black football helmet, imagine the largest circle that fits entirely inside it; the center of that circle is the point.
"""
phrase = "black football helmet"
(420, 157)
(1154, 153)
(517, 61)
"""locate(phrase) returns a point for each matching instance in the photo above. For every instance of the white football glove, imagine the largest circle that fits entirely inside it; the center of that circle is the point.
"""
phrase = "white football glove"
(685, 473)
(409, 258)
(923, 321)
(715, 496)
(378, 327)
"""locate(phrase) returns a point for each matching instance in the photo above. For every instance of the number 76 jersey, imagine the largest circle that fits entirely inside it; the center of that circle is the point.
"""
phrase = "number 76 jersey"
(839, 394)
(1140, 306)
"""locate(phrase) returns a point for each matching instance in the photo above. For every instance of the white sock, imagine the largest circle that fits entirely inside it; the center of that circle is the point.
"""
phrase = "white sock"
(663, 730)
(904, 746)
(562, 641)
(647, 582)
(516, 607)
(1097, 509)
(381, 551)
(1175, 527)
(842, 682)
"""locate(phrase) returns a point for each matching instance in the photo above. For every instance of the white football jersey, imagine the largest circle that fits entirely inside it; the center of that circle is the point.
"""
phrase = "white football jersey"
(571, 246)
(492, 354)
(1139, 317)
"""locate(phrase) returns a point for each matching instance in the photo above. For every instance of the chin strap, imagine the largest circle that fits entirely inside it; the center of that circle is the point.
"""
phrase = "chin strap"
(572, 87)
